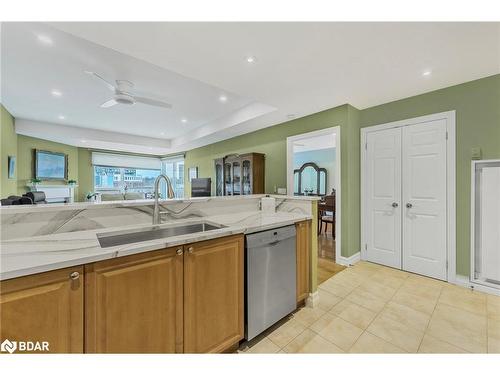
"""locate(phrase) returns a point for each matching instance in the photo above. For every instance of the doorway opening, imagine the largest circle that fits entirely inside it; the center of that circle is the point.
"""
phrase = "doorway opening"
(313, 169)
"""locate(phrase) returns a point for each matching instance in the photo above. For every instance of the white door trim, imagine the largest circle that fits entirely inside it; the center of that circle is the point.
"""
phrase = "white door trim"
(338, 193)
(472, 279)
(450, 178)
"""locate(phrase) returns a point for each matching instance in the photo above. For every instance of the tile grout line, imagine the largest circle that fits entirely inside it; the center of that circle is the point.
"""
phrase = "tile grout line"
(376, 316)
(380, 312)
(432, 314)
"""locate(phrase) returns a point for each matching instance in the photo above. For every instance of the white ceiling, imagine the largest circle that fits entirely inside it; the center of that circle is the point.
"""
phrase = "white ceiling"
(300, 68)
(314, 143)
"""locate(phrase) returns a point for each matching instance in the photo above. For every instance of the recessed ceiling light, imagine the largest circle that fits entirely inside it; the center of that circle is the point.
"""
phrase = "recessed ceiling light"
(44, 39)
(184, 120)
(223, 98)
(162, 133)
(290, 115)
(56, 93)
(426, 73)
(251, 59)
(61, 117)
(83, 141)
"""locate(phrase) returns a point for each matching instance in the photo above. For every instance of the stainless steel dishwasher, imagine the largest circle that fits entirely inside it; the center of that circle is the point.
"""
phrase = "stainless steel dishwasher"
(271, 286)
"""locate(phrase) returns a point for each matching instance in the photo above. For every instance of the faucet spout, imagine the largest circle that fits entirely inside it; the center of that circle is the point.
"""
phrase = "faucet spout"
(170, 195)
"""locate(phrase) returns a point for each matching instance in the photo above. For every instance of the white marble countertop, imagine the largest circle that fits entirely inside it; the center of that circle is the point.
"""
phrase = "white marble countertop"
(26, 256)
(138, 202)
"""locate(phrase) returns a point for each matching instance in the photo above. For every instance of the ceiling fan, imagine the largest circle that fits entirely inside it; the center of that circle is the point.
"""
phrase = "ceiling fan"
(122, 94)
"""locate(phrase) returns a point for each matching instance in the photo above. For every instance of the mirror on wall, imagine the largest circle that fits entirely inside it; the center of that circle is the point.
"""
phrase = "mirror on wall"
(310, 179)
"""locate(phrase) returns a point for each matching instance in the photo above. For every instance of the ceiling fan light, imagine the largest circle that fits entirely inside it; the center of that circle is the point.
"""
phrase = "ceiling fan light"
(124, 99)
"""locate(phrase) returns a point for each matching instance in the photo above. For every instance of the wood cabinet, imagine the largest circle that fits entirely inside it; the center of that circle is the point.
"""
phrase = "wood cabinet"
(240, 174)
(213, 295)
(303, 244)
(44, 307)
(134, 304)
(182, 299)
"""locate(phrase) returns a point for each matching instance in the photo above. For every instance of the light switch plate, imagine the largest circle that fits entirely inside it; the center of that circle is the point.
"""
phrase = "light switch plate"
(476, 153)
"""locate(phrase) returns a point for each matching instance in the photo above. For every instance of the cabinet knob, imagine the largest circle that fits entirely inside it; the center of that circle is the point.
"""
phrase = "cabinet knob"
(190, 249)
(74, 275)
(179, 251)
(395, 204)
(409, 205)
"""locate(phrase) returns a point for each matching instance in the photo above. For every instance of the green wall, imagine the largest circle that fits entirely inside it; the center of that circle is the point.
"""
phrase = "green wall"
(85, 173)
(477, 106)
(25, 146)
(8, 144)
(272, 142)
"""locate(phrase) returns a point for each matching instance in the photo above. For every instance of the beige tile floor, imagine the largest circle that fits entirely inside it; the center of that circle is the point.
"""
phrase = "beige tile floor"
(369, 308)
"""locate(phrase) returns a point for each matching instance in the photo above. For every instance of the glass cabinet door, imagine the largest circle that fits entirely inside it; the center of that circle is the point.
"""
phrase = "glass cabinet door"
(228, 179)
(246, 180)
(219, 178)
(236, 178)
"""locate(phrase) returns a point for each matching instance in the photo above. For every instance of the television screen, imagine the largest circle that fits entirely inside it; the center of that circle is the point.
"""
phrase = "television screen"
(50, 165)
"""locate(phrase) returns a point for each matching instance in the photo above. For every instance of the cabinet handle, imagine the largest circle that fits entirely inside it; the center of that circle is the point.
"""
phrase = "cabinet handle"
(179, 251)
(395, 204)
(190, 249)
(409, 205)
(74, 275)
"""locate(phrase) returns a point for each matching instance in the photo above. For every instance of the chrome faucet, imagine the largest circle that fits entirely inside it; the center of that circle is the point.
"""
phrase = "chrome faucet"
(170, 195)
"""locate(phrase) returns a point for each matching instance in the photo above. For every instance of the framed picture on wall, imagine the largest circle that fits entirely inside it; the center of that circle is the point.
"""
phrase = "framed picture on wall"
(11, 167)
(193, 173)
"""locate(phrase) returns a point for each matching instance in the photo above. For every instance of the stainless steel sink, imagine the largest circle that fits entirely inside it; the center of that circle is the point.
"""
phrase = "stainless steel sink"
(152, 233)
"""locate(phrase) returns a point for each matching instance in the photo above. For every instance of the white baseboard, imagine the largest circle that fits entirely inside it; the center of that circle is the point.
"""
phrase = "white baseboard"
(313, 299)
(349, 261)
(466, 283)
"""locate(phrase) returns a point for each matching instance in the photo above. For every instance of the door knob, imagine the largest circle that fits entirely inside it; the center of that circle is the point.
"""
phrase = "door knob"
(409, 205)
(395, 204)
(74, 275)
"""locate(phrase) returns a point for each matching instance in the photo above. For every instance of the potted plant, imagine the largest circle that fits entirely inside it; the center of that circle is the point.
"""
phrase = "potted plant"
(71, 182)
(35, 181)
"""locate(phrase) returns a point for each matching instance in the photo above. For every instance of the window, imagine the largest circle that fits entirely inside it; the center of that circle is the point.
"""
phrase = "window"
(173, 167)
(124, 180)
(115, 173)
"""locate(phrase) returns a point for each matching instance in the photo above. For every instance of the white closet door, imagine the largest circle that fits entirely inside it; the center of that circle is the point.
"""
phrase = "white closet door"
(424, 199)
(383, 197)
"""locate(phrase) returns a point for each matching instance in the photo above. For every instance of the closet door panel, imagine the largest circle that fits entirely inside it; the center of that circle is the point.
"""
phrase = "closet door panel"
(424, 199)
(383, 197)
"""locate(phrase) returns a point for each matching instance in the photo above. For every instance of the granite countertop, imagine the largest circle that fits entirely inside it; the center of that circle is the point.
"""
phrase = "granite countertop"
(26, 256)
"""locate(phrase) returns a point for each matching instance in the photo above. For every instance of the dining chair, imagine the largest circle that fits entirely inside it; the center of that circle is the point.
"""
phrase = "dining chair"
(327, 214)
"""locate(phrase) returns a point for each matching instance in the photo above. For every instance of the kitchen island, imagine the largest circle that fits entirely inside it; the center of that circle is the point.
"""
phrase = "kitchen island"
(181, 293)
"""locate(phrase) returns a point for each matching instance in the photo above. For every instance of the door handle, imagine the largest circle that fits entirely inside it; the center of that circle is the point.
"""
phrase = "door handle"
(395, 204)
(409, 205)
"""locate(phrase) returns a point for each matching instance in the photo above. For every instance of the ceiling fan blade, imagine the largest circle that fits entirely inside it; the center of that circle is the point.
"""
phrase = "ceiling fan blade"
(109, 103)
(109, 85)
(148, 101)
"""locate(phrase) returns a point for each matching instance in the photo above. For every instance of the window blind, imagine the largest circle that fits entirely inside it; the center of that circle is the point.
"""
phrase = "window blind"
(125, 161)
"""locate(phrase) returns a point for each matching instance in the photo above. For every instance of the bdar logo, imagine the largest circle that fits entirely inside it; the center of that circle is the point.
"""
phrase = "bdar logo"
(8, 346)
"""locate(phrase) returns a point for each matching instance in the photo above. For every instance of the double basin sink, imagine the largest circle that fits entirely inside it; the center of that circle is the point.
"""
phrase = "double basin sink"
(156, 232)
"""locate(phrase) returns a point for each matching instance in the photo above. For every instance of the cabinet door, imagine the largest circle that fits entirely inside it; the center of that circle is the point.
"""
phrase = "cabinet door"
(213, 295)
(44, 307)
(134, 304)
(303, 258)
